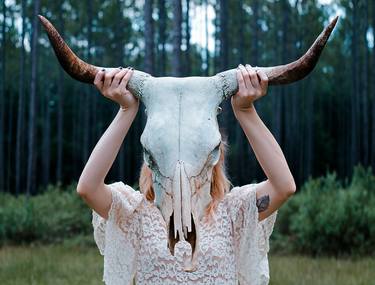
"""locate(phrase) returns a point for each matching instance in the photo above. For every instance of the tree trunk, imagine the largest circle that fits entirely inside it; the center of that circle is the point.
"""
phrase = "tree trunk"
(162, 38)
(187, 38)
(9, 143)
(60, 110)
(373, 95)
(149, 37)
(9, 158)
(31, 163)
(255, 38)
(87, 105)
(21, 103)
(240, 31)
(224, 50)
(76, 130)
(2, 100)
(207, 56)
(365, 71)
(176, 38)
(354, 97)
(46, 138)
(309, 139)
(216, 61)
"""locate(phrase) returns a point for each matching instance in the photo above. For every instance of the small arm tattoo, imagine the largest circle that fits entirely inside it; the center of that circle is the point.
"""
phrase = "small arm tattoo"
(262, 203)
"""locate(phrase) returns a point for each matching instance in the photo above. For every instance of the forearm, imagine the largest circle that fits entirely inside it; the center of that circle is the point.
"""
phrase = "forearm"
(266, 149)
(106, 150)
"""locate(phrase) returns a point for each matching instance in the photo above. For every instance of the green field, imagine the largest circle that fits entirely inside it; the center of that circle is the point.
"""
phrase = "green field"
(41, 265)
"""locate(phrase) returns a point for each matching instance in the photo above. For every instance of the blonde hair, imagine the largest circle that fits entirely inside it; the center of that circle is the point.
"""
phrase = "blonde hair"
(220, 184)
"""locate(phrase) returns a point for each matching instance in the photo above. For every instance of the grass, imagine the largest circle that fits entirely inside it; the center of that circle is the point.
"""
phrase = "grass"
(58, 264)
(45, 265)
(293, 270)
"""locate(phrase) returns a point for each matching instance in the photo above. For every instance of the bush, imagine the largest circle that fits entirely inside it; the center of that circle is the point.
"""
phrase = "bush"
(328, 218)
(325, 217)
(52, 216)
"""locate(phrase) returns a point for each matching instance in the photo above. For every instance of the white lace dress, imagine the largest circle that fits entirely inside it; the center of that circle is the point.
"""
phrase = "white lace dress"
(133, 241)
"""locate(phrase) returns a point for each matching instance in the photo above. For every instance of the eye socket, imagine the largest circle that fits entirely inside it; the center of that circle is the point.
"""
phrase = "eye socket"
(149, 158)
(215, 154)
(217, 148)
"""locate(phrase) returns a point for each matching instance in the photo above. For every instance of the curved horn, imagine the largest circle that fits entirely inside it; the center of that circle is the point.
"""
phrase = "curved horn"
(288, 73)
(79, 69)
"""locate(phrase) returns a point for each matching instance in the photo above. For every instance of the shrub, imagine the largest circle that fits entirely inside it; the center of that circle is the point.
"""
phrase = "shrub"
(326, 217)
(52, 216)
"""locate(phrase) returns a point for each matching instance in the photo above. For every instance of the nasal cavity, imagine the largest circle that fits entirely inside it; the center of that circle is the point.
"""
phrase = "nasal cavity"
(191, 236)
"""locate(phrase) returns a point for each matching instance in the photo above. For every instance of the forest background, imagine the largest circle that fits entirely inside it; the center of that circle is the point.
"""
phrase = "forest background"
(49, 123)
(325, 124)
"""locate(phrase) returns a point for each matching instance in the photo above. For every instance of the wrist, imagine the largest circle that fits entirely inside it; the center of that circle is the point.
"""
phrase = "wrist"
(244, 110)
(124, 107)
(128, 109)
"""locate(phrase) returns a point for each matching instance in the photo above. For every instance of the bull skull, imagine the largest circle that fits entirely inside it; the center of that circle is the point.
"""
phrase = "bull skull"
(181, 137)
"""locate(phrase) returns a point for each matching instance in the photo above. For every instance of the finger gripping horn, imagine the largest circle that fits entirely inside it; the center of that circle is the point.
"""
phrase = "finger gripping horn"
(288, 73)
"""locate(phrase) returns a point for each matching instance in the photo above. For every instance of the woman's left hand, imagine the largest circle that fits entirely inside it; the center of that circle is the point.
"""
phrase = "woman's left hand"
(252, 84)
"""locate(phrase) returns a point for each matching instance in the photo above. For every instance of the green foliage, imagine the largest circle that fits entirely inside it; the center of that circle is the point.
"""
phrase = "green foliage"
(53, 216)
(325, 217)
(328, 218)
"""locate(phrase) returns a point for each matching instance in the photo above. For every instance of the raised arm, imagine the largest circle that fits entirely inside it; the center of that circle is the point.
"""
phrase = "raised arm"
(91, 186)
(280, 185)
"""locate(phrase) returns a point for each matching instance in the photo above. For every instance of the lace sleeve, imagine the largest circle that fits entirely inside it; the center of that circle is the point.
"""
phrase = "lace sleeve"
(251, 237)
(117, 237)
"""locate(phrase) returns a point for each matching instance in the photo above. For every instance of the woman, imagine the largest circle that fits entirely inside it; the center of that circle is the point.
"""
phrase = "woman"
(237, 229)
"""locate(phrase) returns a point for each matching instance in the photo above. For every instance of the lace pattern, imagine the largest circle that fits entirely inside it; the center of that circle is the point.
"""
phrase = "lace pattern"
(233, 245)
(251, 237)
(122, 232)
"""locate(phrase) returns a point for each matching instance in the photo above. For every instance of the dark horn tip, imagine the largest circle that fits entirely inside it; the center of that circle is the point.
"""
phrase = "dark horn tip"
(42, 18)
(334, 21)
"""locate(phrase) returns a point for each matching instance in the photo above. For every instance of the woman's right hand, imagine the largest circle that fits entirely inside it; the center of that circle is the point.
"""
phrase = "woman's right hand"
(112, 84)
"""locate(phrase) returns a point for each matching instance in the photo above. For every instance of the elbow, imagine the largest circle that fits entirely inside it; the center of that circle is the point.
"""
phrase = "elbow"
(86, 186)
(289, 188)
(82, 188)
(286, 189)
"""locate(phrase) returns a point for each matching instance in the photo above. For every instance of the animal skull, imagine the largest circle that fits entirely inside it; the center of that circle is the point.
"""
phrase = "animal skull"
(181, 137)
